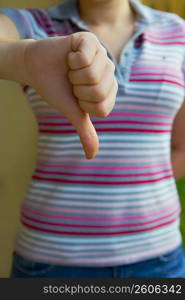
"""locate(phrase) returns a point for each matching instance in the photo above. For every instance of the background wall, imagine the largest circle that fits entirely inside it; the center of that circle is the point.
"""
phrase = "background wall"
(176, 6)
(18, 132)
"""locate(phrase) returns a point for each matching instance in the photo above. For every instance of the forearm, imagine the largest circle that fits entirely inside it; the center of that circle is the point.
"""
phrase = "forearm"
(12, 55)
(178, 163)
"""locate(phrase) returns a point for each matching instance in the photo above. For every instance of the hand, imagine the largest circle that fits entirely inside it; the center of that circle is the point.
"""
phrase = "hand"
(74, 75)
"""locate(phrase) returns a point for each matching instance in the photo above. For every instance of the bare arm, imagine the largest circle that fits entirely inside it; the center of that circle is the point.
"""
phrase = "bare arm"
(11, 51)
(72, 74)
(178, 144)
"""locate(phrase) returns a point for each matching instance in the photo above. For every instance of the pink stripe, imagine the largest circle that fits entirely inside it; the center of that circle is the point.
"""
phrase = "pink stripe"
(123, 114)
(90, 219)
(32, 11)
(101, 175)
(41, 14)
(103, 226)
(166, 43)
(107, 122)
(170, 37)
(98, 233)
(40, 17)
(44, 17)
(168, 33)
(101, 182)
(109, 130)
(54, 32)
(48, 25)
(102, 167)
(157, 80)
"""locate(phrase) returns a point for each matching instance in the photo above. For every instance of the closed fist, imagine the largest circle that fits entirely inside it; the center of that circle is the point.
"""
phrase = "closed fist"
(92, 75)
(75, 76)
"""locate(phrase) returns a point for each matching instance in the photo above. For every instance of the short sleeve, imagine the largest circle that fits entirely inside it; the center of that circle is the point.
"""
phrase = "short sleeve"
(183, 68)
(25, 23)
(182, 34)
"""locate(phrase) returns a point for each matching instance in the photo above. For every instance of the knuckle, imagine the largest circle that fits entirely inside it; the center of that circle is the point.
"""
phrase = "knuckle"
(87, 35)
(101, 111)
(92, 35)
(76, 91)
(111, 65)
(83, 106)
(92, 77)
(98, 93)
(71, 76)
(112, 104)
(85, 59)
(104, 50)
(116, 85)
(76, 34)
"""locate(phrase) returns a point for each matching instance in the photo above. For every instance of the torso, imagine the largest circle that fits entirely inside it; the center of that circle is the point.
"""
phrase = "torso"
(96, 213)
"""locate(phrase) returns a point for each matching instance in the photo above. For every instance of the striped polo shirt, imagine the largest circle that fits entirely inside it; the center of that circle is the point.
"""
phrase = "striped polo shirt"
(122, 206)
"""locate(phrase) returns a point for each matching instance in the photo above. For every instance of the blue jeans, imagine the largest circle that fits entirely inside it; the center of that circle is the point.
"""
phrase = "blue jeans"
(169, 265)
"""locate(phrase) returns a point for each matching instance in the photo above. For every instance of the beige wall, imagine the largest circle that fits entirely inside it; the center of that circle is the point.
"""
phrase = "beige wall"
(18, 132)
(176, 6)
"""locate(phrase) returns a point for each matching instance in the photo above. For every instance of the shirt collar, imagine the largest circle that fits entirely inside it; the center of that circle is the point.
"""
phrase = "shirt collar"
(68, 9)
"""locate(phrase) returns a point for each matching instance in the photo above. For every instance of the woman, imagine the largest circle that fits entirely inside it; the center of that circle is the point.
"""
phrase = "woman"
(115, 214)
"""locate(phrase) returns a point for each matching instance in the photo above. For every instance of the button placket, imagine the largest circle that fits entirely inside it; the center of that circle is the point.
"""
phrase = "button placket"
(126, 59)
(125, 65)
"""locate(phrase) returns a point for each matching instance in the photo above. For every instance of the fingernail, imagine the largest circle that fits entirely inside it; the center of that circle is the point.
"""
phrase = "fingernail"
(89, 156)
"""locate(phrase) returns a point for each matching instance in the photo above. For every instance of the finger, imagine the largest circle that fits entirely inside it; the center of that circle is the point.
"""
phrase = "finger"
(91, 74)
(84, 48)
(98, 92)
(104, 108)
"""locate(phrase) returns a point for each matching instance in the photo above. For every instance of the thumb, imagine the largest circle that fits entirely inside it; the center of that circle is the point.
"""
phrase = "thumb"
(86, 131)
